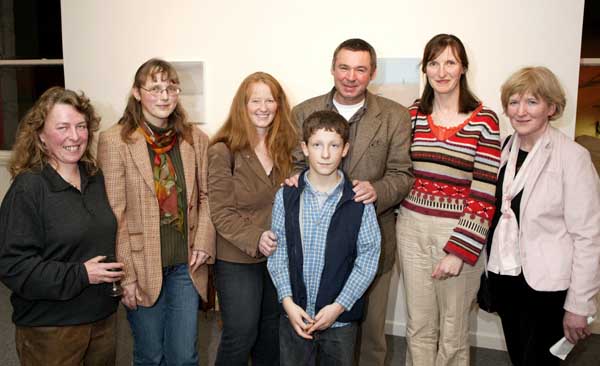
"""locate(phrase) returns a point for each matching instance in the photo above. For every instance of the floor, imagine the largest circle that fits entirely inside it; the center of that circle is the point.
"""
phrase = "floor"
(587, 354)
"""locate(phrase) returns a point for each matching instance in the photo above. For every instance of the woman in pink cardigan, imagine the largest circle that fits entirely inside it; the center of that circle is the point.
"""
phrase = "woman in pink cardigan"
(544, 246)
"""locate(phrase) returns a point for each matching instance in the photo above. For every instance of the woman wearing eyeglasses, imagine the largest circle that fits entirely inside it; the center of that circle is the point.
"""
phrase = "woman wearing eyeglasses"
(155, 165)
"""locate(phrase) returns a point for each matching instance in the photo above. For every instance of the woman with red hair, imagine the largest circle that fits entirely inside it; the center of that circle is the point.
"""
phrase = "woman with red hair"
(249, 158)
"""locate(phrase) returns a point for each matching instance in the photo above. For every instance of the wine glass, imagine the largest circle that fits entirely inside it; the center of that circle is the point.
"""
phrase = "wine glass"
(116, 289)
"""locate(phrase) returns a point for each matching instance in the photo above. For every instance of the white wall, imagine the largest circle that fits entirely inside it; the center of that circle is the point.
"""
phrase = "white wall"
(105, 41)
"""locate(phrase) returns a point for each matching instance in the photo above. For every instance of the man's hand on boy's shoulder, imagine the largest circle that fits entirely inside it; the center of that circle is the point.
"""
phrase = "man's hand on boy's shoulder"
(326, 317)
(298, 318)
(364, 191)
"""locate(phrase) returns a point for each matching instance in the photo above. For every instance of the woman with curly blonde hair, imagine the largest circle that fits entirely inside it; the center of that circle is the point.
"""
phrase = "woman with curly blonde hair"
(29, 152)
(56, 228)
(249, 158)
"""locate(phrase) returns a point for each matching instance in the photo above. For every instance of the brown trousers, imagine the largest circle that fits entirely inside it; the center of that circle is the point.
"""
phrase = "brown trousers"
(74, 345)
(372, 346)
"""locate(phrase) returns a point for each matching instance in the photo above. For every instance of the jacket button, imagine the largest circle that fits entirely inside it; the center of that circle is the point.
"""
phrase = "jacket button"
(192, 228)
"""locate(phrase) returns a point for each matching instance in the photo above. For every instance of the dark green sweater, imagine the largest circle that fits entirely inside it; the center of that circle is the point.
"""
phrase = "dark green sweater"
(173, 244)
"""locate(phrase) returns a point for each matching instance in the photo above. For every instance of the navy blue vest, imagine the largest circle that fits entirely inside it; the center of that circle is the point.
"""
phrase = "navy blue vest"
(340, 251)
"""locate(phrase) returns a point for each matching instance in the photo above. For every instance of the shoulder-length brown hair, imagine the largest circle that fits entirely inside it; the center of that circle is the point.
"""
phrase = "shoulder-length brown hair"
(467, 102)
(28, 152)
(238, 132)
(133, 116)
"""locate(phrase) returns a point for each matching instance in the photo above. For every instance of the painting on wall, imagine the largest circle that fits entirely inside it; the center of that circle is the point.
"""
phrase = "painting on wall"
(397, 79)
(191, 79)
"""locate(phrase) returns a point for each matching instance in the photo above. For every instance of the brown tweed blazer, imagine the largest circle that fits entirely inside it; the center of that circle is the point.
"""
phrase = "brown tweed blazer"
(379, 154)
(130, 190)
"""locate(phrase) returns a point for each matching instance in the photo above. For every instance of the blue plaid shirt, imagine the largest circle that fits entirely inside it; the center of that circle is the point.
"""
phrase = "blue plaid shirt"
(314, 226)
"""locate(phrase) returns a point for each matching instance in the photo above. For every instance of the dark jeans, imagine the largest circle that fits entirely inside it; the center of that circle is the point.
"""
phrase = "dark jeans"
(531, 320)
(250, 314)
(330, 347)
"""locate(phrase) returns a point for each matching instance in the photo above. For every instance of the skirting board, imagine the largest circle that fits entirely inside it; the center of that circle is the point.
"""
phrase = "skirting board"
(482, 339)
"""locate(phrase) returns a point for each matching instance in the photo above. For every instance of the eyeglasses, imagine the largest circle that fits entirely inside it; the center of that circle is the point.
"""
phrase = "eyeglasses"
(157, 91)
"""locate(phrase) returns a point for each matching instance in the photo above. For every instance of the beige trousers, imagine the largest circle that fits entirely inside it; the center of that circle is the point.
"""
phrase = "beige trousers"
(437, 327)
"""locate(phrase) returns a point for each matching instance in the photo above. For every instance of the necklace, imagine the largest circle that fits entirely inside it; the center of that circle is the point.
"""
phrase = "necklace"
(74, 181)
(74, 184)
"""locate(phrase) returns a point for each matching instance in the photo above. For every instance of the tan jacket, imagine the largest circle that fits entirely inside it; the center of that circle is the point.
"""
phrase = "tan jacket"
(241, 199)
(379, 154)
(559, 223)
(130, 190)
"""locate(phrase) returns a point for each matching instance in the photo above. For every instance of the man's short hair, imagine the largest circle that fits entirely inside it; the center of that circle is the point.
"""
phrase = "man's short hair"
(328, 121)
(356, 44)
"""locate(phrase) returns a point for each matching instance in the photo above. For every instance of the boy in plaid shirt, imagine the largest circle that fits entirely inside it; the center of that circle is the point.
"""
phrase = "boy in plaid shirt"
(328, 251)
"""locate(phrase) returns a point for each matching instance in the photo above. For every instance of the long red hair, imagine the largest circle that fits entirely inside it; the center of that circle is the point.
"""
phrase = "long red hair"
(238, 132)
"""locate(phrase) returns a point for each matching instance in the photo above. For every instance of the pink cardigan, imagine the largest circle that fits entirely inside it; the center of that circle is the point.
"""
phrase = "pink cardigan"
(560, 223)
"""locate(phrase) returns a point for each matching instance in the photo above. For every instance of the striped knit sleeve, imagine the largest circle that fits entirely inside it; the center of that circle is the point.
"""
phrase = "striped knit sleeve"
(469, 236)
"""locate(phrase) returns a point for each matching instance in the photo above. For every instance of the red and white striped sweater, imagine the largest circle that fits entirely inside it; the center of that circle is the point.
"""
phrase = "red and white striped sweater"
(455, 176)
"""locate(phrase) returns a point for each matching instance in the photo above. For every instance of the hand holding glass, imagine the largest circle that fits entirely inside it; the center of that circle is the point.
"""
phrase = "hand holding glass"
(116, 289)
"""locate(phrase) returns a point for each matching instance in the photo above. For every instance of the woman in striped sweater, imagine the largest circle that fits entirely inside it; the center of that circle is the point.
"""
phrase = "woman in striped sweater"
(443, 222)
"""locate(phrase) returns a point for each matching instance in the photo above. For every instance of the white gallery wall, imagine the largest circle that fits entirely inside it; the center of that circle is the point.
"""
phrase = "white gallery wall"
(104, 41)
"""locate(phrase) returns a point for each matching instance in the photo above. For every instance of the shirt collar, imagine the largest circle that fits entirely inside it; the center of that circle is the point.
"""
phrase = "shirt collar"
(57, 183)
(334, 190)
(330, 106)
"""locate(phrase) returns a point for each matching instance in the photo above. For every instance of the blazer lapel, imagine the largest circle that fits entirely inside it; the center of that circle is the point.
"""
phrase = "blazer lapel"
(141, 159)
(505, 152)
(188, 157)
(251, 159)
(367, 129)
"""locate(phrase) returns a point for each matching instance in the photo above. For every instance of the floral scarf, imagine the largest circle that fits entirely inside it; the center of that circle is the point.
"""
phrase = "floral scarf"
(166, 184)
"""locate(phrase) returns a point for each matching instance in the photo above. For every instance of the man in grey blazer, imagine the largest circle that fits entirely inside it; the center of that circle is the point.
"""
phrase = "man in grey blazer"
(378, 163)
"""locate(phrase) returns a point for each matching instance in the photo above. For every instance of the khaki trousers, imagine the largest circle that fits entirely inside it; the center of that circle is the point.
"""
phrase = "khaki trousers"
(371, 345)
(92, 344)
(437, 327)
